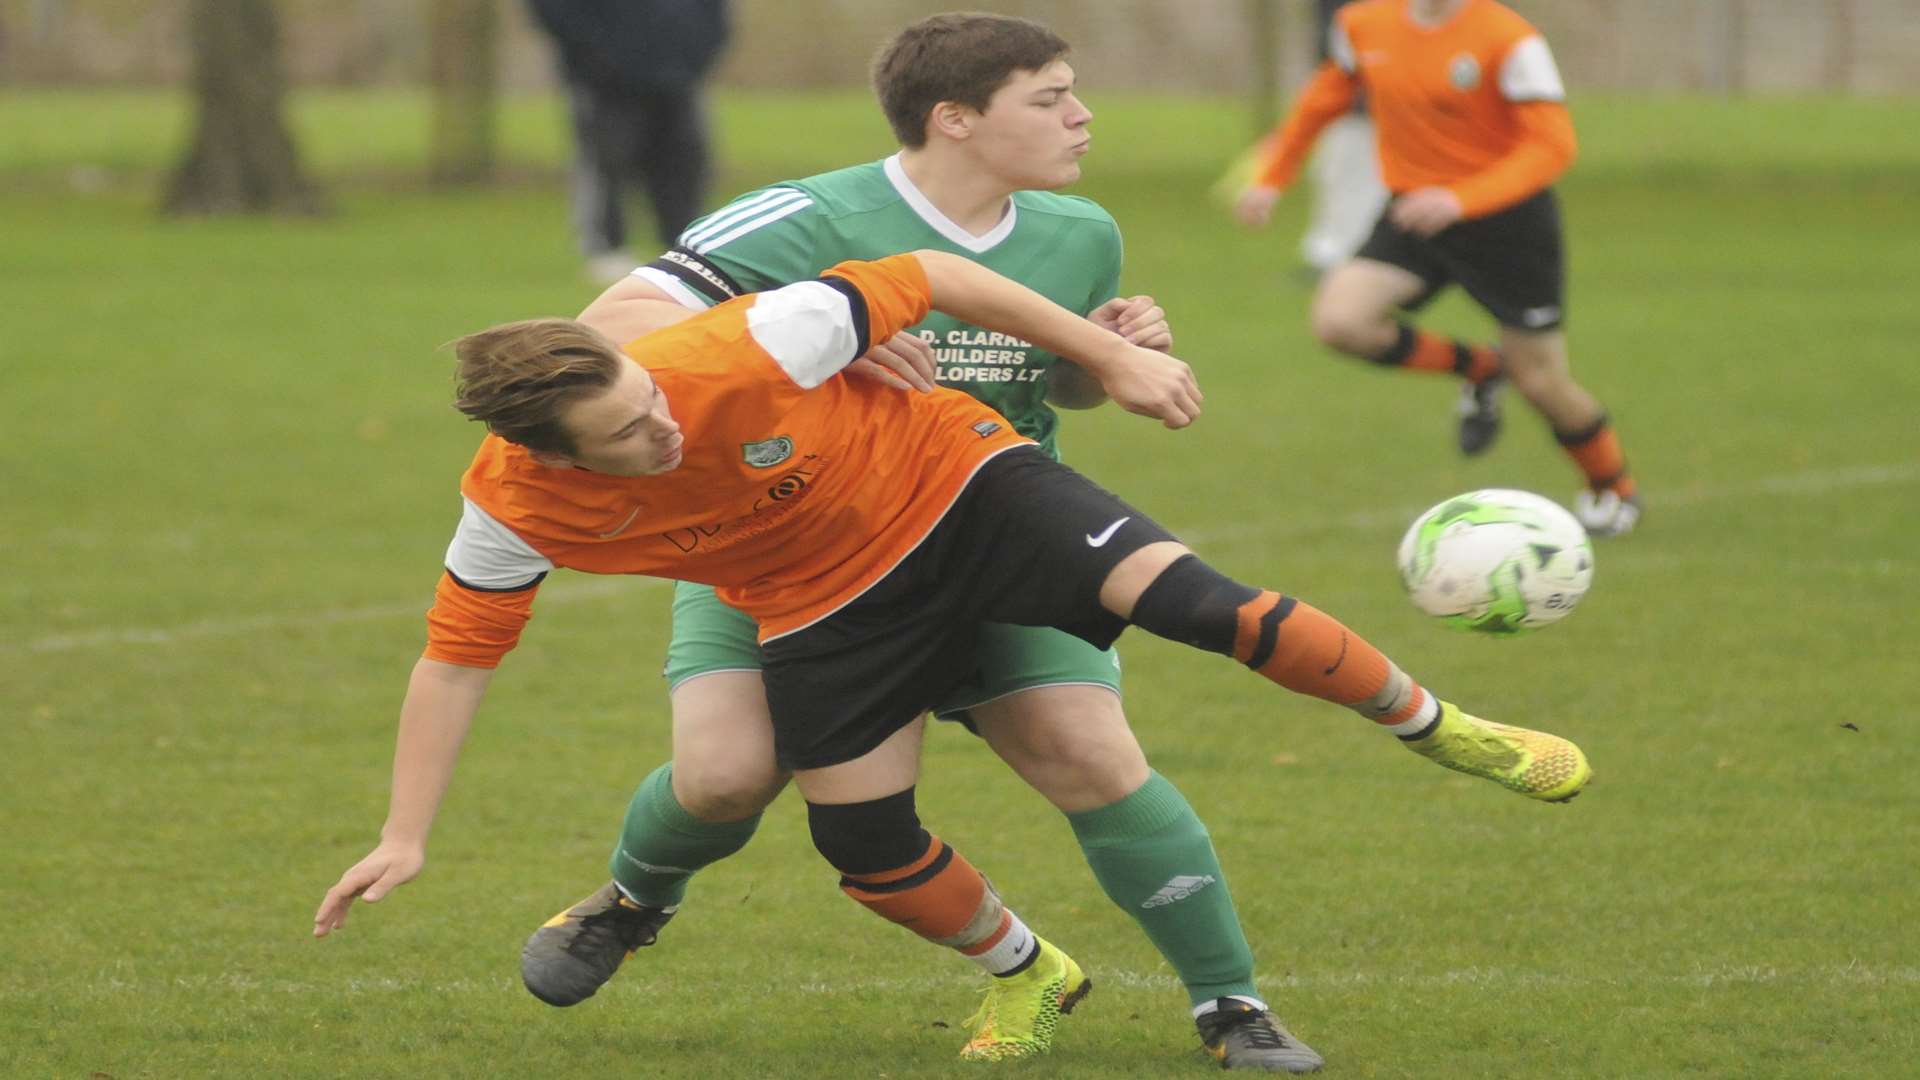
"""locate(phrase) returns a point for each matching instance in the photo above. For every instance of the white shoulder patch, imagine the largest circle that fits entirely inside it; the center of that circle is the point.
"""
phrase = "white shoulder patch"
(1529, 73)
(488, 555)
(807, 328)
(1340, 49)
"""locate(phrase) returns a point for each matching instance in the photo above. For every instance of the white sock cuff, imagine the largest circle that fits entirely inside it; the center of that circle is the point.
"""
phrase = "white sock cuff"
(1213, 1005)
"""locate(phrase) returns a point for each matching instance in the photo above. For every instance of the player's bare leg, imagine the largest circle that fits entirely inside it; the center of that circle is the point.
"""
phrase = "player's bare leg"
(1537, 364)
(1355, 309)
(1069, 743)
(1358, 309)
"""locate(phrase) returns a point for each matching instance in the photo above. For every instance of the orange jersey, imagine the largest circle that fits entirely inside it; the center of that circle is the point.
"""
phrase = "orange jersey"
(1474, 105)
(797, 488)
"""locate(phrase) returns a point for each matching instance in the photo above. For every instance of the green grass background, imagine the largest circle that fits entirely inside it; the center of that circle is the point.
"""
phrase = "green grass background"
(229, 474)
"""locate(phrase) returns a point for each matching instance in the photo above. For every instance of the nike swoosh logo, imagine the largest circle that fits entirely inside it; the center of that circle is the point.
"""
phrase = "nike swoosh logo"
(1106, 534)
(622, 527)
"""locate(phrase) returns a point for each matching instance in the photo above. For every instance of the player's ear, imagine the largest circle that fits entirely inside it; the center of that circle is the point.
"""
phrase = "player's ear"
(552, 459)
(951, 120)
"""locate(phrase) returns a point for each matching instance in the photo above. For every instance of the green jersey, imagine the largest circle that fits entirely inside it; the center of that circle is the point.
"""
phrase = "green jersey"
(1064, 247)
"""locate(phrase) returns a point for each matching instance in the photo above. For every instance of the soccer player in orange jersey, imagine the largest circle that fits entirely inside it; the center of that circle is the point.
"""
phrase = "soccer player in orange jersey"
(868, 531)
(1473, 131)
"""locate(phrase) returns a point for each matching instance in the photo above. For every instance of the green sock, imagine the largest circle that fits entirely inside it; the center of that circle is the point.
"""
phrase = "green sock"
(661, 845)
(1152, 856)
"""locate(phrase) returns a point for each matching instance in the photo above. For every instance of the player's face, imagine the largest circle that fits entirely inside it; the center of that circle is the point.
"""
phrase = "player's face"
(626, 431)
(1034, 130)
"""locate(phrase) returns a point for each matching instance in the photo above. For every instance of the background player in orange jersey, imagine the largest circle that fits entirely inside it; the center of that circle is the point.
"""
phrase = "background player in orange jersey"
(1473, 131)
(868, 531)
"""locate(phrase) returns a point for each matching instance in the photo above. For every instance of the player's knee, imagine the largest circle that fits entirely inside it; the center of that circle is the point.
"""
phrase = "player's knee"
(1071, 744)
(1535, 378)
(868, 837)
(715, 789)
(1340, 328)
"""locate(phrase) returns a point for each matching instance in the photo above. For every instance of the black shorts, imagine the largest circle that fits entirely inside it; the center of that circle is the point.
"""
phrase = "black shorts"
(1512, 262)
(1029, 541)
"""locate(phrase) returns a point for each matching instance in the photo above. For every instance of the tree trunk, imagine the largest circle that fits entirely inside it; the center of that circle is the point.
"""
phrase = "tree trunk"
(242, 160)
(464, 58)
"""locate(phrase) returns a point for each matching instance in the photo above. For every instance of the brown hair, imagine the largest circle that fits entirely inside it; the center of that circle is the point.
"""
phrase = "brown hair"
(961, 56)
(518, 377)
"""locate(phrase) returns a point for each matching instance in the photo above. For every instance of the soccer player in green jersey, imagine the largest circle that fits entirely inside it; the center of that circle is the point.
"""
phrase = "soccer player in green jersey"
(989, 127)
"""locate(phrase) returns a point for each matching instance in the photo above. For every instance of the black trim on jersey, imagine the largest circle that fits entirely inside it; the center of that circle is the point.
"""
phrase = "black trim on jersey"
(913, 880)
(857, 300)
(471, 587)
(697, 274)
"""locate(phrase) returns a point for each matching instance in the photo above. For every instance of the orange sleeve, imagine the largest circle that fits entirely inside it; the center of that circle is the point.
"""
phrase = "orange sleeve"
(1545, 149)
(474, 627)
(1326, 97)
(896, 289)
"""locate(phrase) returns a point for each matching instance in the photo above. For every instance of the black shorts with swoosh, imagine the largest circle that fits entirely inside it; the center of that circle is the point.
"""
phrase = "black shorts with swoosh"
(1029, 541)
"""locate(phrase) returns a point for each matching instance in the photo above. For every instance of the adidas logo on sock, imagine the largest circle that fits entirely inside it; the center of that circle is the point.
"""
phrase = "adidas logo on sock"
(1178, 888)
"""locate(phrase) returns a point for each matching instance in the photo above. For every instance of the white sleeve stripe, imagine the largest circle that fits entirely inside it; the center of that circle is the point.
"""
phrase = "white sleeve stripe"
(1529, 73)
(733, 210)
(808, 330)
(765, 219)
(487, 555)
(727, 215)
(673, 287)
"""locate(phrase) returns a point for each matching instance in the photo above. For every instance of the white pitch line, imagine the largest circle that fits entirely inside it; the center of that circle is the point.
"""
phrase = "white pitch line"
(1810, 482)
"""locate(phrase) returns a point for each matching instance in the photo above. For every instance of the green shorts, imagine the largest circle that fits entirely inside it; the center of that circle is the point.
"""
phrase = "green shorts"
(709, 636)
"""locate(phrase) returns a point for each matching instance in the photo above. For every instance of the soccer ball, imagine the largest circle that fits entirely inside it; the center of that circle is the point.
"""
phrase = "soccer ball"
(1497, 560)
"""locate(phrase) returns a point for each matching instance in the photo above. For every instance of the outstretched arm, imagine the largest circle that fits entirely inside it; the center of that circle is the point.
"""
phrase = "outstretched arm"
(1327, 96)
(441, 701)
(1140, 380)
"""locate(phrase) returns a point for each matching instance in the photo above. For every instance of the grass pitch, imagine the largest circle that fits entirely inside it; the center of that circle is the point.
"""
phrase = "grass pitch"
(230, 473)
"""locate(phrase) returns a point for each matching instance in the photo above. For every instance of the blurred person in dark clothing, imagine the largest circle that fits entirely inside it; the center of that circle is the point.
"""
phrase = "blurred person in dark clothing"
(635, 71)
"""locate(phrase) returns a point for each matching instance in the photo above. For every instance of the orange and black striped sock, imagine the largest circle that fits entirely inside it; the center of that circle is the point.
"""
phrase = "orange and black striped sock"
(941, 897)
(1309, 652)
(1422, 350)
(1595, 449)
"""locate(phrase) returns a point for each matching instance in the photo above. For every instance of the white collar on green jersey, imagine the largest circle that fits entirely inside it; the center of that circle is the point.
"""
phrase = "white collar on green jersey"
(943, 224)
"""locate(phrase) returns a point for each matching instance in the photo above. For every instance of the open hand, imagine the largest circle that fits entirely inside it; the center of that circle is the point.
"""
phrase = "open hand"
(903, 361)
(1254, 207)
(373, 877)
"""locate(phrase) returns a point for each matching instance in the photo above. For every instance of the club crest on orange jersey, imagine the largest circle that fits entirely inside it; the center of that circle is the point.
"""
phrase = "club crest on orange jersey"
(1463, 72)
(767, 453)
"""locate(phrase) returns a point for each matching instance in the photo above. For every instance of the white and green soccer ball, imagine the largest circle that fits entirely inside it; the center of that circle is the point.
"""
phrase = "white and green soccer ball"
(1497, 561)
